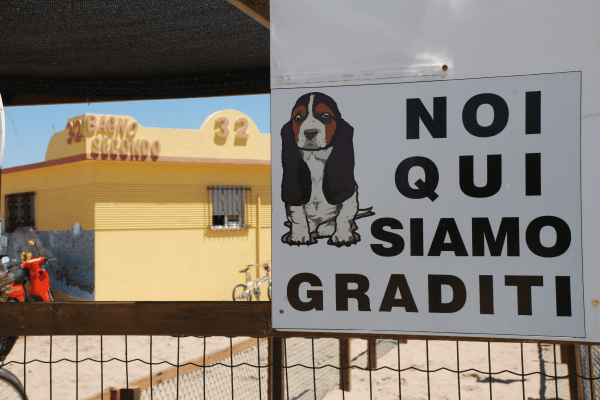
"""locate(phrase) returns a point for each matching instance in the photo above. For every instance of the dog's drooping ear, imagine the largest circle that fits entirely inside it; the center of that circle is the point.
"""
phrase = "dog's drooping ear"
(338, 181)
(296, 183)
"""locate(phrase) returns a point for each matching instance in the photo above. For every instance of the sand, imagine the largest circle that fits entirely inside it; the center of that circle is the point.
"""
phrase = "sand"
(444, 384)
(64, 373)
(383, 383)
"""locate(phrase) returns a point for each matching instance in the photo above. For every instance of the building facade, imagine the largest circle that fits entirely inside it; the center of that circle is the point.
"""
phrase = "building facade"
(140, 214)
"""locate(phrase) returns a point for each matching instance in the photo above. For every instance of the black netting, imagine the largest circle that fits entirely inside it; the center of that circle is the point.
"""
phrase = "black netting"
(130, 49)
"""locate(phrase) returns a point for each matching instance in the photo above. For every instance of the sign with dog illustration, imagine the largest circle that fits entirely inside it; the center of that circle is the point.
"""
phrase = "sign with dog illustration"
(450, 207)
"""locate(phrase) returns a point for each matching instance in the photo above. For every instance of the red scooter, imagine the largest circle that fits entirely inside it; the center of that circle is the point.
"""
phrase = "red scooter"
(32, 283)
(23, 282)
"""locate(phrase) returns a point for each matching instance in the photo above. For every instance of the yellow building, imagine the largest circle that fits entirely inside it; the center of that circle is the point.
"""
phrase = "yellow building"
(140, 214)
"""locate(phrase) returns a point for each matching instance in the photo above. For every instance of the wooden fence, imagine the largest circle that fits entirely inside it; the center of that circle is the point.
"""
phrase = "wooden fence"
(204, 319)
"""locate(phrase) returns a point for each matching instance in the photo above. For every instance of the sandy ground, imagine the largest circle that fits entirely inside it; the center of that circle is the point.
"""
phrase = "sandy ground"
(444, 384)
(383, 383)
(64, 383)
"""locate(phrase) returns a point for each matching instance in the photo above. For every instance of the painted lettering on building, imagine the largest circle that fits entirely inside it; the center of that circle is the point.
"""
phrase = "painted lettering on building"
(75, 131)
(113, 137)
(222, 127)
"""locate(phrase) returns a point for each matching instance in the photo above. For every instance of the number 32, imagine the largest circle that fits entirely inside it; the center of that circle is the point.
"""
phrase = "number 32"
(224, 130)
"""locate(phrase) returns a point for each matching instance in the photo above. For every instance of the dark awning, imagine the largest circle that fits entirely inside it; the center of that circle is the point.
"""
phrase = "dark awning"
(77, 51)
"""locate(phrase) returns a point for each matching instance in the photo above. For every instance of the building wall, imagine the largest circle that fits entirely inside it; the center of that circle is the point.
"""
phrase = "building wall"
(153, 240)
(146, 219)
(150, 224)
(64, 193)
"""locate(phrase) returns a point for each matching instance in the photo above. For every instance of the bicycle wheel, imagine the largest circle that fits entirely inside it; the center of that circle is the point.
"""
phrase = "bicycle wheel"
(269, 291)
(239, 293)
(10, 386)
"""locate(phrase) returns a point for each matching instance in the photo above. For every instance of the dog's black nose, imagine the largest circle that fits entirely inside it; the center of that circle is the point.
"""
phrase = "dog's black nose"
(311, 133)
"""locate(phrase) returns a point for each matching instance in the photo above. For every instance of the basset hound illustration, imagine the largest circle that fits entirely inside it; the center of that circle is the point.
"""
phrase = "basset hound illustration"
(318, 186)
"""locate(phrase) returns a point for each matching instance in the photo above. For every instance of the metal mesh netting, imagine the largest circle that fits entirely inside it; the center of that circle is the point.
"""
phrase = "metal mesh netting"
(72, 368)
(301, 379)
(556, 387)
(384, 346)
(219, 378)
(590, 391)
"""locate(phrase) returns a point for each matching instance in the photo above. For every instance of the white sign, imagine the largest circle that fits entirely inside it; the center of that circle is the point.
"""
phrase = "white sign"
(445, 207)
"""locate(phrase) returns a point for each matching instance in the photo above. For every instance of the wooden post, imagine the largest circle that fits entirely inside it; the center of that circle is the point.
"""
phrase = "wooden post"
(345, 360)
(276, 369)
(563, 353)
(372, 354)
(131, 394)
(126, 394)
(573, 369)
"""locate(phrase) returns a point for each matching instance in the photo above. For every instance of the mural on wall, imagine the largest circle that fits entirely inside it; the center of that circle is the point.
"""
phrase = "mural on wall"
(69, 255)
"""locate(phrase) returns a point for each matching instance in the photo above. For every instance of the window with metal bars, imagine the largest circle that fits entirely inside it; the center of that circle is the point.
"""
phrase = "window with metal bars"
(20, 211)
(228, 204)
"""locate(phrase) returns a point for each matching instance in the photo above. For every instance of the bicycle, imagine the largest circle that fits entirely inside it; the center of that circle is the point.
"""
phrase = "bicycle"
(245, 292)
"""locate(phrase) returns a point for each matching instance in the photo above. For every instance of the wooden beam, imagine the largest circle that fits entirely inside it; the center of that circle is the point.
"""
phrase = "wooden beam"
(13, 99)
(140, 318)
(33, 91)
(204, 318)
(259, 10)
(27, 99)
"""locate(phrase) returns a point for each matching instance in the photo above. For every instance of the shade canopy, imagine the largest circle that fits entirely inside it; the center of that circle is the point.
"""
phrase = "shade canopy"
(66, 52)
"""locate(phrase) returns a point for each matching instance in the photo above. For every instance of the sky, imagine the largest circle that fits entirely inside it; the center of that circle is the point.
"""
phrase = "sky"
(29, 129)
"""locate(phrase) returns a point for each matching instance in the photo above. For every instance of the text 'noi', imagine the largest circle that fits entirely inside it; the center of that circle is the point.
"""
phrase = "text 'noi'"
(436, 124)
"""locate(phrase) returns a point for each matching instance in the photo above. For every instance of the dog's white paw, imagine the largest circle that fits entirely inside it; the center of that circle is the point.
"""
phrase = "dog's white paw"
(298, 239)
(326, 229)
(343, 238)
